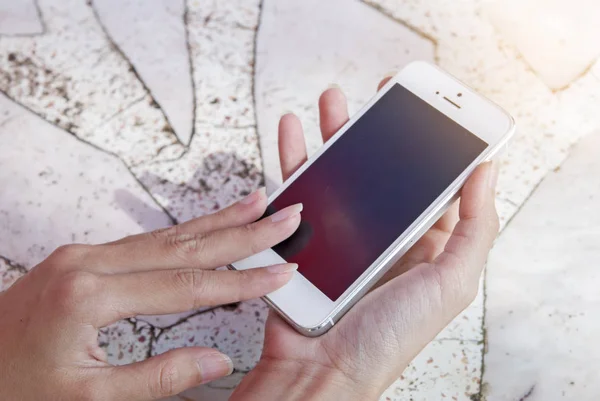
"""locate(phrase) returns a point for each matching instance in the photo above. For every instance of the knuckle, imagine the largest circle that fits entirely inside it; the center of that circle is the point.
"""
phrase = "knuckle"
(165, 232)
(187, 246)
(69, 254)
(164, 382)
(193, 283)
(254, 237)
(250, 228)
(74, 287)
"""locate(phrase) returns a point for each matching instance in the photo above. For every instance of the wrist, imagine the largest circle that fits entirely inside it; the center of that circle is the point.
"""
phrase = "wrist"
(294, 381)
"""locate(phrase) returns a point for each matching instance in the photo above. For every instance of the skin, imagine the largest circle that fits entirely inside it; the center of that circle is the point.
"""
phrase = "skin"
(373, 343)
(50, 317)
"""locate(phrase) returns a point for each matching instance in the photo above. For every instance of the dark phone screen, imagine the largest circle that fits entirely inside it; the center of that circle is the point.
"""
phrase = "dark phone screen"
(370, 186)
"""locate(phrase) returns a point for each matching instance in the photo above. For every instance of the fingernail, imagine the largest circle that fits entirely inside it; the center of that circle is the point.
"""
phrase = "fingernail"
(333, 86)
(494, 170)
(286, 112)
(286, 213)
(214, 366)
(253, 197)
(282, 268)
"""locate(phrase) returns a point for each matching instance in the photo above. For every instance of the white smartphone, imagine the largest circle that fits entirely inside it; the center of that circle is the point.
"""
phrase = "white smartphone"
(375, 188)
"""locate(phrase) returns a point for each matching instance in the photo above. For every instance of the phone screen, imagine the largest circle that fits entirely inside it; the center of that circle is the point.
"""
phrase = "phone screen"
(370, 186)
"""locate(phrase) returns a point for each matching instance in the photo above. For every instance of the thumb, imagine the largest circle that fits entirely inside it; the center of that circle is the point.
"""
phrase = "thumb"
(166, 374)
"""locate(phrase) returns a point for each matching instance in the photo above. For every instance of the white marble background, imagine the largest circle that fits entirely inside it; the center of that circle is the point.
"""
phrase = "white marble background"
(123, 116)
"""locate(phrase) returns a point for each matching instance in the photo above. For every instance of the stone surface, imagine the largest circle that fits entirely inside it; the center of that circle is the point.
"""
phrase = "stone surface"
(10, 272)
(50, 74)
(127, 341)
(443, 371)
(542, 290)
(221, 39)
(548, 123)
(49, 178)
(297, 60)
(223, 161)
(236, 331)
(160, 56)
(20, 18)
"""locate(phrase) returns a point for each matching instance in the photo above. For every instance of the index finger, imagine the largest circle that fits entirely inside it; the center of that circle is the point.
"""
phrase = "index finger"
(333, 112)
(163, 292)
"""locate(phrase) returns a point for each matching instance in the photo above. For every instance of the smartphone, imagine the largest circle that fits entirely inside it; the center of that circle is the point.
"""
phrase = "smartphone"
(375, 188)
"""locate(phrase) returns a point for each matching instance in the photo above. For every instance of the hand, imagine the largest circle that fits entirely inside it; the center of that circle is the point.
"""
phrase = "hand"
(50, 317)
(375, 341)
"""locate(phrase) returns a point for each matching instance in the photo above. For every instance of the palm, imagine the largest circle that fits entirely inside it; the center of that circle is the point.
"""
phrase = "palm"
(356, 329)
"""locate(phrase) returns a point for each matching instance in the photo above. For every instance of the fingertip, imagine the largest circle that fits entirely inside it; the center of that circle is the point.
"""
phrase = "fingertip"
(292, 149)
(289, 124)
(332, 95)
(282, 268)
(213, 365)
(385, 80)
(288, 117)
(333, 112)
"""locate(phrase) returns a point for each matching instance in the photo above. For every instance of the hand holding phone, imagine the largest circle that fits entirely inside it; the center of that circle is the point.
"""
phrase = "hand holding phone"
(379, 183)
(370, 347)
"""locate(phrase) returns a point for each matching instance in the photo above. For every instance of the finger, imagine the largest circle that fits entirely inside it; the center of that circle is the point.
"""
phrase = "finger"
(242, 212)
(292, 148)
(333, 112)
(466, 251)
(163, 292)
(164, 375)
(383, 82)
(200, 251)
(448, 221)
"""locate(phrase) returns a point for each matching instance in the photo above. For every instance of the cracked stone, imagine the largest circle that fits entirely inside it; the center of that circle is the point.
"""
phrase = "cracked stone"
(221, 37)
(221, 166)
(153, 37)
(125, 342)
(547, 125)
(294, 65)
(237, 333)
(73, 78)
(139, 134)
(49, 178)
(10, 272)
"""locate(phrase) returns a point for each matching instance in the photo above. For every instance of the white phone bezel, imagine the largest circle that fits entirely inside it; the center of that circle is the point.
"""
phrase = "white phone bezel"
(302, 304)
